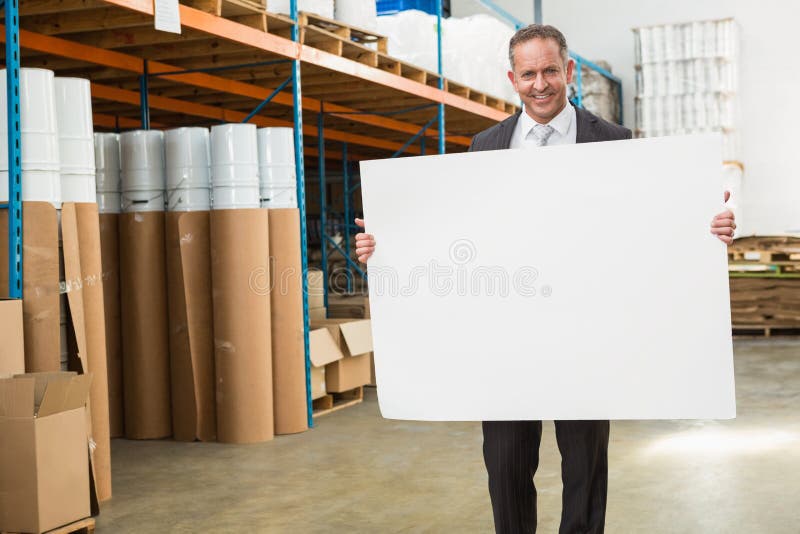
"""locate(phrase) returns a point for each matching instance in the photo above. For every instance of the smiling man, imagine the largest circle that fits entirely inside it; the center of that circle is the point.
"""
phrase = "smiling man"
(540, 71)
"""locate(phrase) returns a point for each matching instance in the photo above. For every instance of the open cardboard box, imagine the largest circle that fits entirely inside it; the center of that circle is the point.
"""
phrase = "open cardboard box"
(322, 351)
(354, 339)
(44, 465)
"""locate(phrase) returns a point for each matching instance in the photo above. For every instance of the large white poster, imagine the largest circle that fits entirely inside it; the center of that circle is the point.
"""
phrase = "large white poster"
(567, 282)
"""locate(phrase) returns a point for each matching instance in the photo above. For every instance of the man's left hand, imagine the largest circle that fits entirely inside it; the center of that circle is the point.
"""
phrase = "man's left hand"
(724, 224)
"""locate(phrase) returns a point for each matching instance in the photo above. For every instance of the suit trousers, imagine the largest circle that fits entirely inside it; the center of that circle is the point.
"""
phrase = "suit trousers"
(511, 454)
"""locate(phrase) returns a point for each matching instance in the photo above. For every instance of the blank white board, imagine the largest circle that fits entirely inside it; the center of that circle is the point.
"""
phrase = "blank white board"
(567, 282)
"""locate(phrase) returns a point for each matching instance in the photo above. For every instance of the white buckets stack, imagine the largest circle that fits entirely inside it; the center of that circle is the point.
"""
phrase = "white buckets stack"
(106, 157)
(234, 166)
(277, 168)
(76, 140)
(188, 172)
(142, 170)
(686, 80)
(39, 132)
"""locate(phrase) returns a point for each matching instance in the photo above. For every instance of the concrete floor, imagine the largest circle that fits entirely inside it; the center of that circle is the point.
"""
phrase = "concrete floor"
(356, 472)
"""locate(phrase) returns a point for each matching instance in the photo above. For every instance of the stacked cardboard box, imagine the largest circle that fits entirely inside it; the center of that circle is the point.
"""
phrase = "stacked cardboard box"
(316, 295)
(348, 307)
(340, 354)
(765, 302)
(765, 290)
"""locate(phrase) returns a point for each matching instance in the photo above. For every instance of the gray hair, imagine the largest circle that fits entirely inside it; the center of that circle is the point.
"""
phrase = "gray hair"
(538, 31)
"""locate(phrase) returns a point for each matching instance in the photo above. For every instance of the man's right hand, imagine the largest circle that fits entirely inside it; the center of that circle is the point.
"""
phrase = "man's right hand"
(365, 243)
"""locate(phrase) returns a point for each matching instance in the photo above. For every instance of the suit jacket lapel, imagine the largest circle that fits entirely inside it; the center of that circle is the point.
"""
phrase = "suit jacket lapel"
(507, 130)
(585, 126)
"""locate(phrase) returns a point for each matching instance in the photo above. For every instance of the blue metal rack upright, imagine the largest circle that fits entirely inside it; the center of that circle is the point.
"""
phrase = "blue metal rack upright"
(14, 205)
(297, 98)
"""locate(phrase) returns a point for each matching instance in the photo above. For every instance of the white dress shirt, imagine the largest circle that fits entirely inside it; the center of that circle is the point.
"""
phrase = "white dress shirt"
(564, 124)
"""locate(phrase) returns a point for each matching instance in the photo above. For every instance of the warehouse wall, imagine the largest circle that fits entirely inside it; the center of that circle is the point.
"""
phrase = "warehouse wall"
(601, 29)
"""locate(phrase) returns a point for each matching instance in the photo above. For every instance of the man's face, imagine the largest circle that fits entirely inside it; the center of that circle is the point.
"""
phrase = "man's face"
(540, 77)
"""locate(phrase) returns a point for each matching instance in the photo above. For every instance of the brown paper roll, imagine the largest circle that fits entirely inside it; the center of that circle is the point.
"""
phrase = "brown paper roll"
(109, 252)
(288, 346)
(40, 290)
(191, 340)
(94, 317)
(145, 344)
(242, 338)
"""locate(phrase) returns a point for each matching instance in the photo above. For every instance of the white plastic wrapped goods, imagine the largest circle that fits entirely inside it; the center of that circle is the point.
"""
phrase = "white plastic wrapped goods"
(360, 13)
(480, 64)
(320, 7)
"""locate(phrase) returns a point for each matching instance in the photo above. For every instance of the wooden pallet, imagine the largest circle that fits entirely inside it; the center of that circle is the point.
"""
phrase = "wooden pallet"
(765, 331)
(333, 402)
(352, 33)
(84, 526)
(767, 249)
(337, 38)
(248, 12)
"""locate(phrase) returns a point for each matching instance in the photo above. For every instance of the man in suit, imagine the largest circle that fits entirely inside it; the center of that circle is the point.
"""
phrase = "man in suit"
(540, 72)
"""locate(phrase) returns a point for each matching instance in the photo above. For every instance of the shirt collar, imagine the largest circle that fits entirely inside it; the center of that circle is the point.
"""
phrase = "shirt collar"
(560, 123)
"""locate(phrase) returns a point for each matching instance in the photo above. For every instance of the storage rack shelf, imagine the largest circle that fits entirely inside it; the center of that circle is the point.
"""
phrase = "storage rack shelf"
(232, 64)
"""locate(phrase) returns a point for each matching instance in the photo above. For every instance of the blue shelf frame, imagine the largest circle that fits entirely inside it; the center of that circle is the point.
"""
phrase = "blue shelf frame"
(297, 100)
(14, 204)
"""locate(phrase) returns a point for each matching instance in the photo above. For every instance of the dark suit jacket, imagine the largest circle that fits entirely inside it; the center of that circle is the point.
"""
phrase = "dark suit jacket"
(590, 129)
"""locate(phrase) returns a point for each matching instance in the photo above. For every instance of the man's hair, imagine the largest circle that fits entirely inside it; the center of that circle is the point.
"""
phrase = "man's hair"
(538, 31)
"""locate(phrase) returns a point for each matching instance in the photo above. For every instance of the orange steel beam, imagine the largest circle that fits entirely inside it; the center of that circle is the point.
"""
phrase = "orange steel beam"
(236, 32)
(110, 121)
(115, 94)
(118, 60)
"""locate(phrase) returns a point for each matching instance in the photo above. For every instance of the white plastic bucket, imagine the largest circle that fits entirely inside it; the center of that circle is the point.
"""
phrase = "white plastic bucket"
(360, 13)
(75, 135)
(234, 144)
(142, 180)
(187, 147)
(226, 197)
(78, 188)
(141, 149)
(188, 178)
(279, 197)
(109, 202)
(131, 201)
(42, 186)
(39, 130)
(195, 199)
(234, 175)
(277, 175)
(275, 146)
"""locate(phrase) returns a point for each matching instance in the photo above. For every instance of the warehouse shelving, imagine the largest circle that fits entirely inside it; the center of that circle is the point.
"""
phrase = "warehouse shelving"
(14, 204)
(224, 70)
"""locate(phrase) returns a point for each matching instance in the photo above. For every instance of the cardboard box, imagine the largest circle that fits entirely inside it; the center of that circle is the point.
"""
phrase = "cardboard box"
(323, 349)
(316, 289)
(12, 349)
(44, 468)
(40, 283)
(317, 314)
(372, 380)
(354, 339)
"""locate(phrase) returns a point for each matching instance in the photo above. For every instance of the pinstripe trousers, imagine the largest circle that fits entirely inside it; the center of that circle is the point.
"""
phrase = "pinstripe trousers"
(511, 454)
